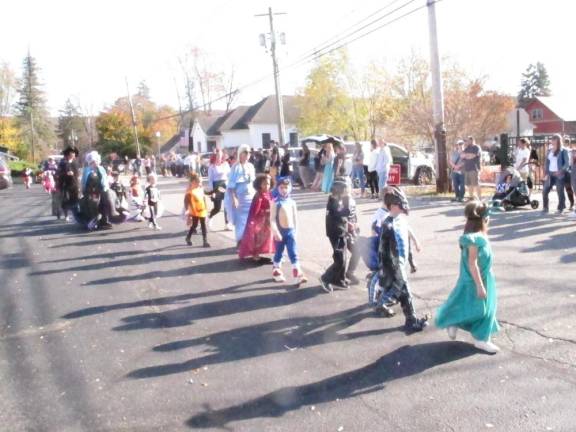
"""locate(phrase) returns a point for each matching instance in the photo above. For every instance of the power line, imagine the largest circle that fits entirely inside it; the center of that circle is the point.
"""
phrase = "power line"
(318, 54)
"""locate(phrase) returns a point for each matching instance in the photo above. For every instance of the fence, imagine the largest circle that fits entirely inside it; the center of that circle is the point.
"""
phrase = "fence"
(538, 143)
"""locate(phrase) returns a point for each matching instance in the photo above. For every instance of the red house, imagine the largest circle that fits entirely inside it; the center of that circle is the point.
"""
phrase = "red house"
(552, 114)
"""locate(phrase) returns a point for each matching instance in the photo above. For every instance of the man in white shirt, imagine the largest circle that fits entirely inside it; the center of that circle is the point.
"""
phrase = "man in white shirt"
(522, 157)
(383, 162)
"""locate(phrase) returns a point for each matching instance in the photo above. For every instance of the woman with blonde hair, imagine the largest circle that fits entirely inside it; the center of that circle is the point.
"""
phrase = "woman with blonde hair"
(472, 304)
(240, 191)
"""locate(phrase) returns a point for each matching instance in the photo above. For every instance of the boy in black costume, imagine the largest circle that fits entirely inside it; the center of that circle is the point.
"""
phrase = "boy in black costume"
(393, 253)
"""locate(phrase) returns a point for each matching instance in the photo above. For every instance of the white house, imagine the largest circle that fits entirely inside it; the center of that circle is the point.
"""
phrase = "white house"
(254, 125)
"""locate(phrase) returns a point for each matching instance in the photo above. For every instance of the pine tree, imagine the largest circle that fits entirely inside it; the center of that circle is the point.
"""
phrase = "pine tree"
(535, 82)
(37, 130)
(70, 124)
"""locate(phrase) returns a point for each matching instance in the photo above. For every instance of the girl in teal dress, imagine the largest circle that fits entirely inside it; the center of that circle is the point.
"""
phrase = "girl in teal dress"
(472, 304)
(328, 177)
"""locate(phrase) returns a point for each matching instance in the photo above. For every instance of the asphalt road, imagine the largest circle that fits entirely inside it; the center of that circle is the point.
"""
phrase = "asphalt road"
(132, 330)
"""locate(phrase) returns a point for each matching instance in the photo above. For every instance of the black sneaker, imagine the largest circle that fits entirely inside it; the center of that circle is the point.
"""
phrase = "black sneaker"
(326, 286)
(188, 241)
(206, 244)
(416, 325)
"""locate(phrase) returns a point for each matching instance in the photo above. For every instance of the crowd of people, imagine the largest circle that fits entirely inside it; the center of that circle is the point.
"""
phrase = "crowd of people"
(254, 191)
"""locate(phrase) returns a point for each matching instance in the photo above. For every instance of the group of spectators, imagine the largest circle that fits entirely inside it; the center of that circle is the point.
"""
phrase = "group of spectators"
(558, 169)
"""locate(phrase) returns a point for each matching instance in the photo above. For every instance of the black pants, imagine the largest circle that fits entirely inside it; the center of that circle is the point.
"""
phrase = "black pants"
(195, 220)
(153, 213)
(336, 273)
(373, 182)
(218, 198)
(405, 300)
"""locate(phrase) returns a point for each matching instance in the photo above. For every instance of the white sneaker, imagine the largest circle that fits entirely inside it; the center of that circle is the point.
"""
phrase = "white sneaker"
(486, 346)
(158, 228)
(278, 276)
(452, 332)
(150, 225)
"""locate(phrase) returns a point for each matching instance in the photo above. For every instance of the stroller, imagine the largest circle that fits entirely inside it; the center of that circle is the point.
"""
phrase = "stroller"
(518, 195)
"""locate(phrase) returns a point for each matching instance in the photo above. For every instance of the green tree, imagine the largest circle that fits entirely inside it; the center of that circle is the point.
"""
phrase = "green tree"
(535, 82)
(36, 129)
(325, 103)
(9, 133)
(70, 124)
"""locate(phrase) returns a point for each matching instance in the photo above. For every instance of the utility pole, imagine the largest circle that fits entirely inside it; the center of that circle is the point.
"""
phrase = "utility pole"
(442, 185)
(133, 120)
(279, 104)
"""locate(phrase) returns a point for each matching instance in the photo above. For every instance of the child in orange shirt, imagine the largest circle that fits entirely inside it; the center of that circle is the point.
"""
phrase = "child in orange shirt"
(195, 205)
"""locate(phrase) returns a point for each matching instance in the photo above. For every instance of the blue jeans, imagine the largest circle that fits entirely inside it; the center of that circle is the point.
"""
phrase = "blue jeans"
(458, 185)
(358, 173)
(559, 182)
(382, 179)
(288, 242)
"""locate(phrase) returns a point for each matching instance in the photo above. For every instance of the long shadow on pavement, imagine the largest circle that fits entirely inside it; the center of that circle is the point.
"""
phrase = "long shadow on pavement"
(151, 256)
(401, 363)
(169, 300)
(230, 265)
(187, 315)
(263, 339)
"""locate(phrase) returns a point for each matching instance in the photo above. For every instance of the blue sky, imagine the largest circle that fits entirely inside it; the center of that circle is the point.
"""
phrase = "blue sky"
(86, 48)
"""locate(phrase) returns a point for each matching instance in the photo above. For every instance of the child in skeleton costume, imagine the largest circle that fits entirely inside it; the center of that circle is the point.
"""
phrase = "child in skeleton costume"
(393, 259)
(283, 220)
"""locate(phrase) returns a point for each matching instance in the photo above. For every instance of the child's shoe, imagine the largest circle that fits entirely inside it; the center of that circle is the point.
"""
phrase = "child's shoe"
(385, 311)
(277, 275)
(188, 241)
(413, 325)
(206, 244)
(326, 286)
(452, 332)
(299, 276)
(486, 346)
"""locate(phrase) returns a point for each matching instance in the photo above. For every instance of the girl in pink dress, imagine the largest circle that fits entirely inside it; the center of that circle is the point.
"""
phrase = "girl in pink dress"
(257, 239)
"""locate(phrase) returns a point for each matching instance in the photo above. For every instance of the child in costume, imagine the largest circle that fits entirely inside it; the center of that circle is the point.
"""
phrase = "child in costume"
(503, 188)
(195, 204)
(353, 232)
(284, 220)
(393, 259)
(136, 200)
(472, 304)
(337, 231)
(152, 197)
(257, 239)
(28, 174)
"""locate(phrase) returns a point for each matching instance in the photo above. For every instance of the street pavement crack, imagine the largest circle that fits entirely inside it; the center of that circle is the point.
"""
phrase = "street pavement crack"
(538, 332)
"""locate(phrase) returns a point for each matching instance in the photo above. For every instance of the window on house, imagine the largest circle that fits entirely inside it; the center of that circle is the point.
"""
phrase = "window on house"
(293, 139)
(537, 114)
(211, 146)
(266, 137)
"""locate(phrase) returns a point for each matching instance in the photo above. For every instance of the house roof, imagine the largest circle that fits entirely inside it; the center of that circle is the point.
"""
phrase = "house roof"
(267, 113)
(264, 112)
(563, 107)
